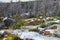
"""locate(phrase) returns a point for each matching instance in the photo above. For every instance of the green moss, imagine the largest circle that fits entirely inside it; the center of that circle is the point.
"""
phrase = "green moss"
(53, 23)
(17, 25)
(57, 17)
(12, 37)
(16, 38)
(43, 25)
(34, 30)
(1, 35)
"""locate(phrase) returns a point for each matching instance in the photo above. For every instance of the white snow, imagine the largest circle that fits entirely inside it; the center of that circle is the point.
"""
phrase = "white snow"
(41, 17)
(32, 27)
(36, 36)
(32, 35)
(5, 18)
(48, 18)
(31, 19)
(57, 21)
(38, 19)
(16, 32)
(29, 35)
(1, 31)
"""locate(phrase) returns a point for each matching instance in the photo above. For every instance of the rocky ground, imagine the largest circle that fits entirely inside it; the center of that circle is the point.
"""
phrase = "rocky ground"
(37, 29)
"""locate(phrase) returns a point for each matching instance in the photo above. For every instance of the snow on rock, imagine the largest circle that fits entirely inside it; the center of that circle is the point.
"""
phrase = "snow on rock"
(31, 19)
(57, 21)
(41, 17)
(48, 18)
(5, 18)
(32, 27)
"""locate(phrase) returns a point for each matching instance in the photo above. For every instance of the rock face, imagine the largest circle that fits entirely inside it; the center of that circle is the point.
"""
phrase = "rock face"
(42, 7)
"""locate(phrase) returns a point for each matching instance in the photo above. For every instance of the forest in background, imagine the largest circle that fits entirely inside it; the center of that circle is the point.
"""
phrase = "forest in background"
(40, 8)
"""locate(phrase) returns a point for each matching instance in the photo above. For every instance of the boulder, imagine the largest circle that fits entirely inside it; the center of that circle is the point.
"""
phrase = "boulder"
(9, 21)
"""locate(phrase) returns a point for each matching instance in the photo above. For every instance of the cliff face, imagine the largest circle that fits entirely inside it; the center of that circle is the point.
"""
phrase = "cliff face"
(43, 7)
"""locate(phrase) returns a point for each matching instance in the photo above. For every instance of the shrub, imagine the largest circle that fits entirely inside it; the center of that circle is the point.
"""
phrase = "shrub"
(35, 30)
(53, 23)
(16, 38)
(12, 37)
(43, 25)
(57, 17)
(1, 35)
(17, 25)
(23, 23)
(9, 38)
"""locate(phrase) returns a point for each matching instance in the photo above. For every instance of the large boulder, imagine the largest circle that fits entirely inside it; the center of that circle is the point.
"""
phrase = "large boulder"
(9, 21)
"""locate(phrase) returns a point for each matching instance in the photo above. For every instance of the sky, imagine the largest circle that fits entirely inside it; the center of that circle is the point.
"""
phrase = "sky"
(14, 0)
